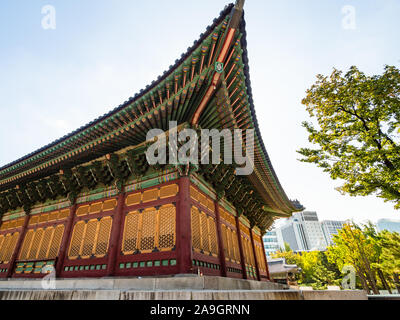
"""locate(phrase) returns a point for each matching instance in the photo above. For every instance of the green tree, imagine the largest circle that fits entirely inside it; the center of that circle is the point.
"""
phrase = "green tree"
(316, 271)
(390, 255)
(353, 247)
(357, 131)
(376, 239)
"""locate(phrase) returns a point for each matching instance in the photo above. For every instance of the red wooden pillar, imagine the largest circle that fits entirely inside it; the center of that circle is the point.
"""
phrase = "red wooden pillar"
(242, 258)
(220, 242)
(183, 228)
(255, 255)
(115, 235)
(17, 247)
(65, 240)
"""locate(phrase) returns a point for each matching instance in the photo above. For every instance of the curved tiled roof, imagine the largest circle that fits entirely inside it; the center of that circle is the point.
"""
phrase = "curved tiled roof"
(142, 92)
(292, 206)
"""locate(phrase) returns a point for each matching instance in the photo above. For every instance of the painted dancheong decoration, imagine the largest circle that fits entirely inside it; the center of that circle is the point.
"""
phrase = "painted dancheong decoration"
(90, 205)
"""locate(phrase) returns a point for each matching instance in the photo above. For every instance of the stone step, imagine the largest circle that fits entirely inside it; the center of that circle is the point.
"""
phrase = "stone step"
(199, 295)
(140, 284)
(147, 295)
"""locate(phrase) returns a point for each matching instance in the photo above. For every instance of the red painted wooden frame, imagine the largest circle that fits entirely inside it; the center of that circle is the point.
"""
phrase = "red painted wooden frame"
(146, 257)
(34, 227)
(91, 261)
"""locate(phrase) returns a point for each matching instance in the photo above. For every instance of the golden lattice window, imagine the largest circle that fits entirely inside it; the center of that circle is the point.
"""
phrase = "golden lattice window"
(1, 246)
(53, 216)
(89, 239)
(150, 195)
(133, 199)
(82, 211)
(148, 228)
(4, 247)
(213, 236)
(130, 237)
(169, 191)
(230, 244)
(258, 245)
(196, 236)
(37, 240)
(20, 222)
(203, 199)
(34, 220)
(225, 241)
(109, 205)
(43, 217)
(236, 250)
(7, 246)
(194, 194)
(103, 237)
(4, 241)
(63, 214)
(47, 237)
(260, 258)
(56, 242)
(210, 205)
(10, 248)
(76, 240)
(248, 251)
(205, 239)
(166, 237)
(26, 245)
(95, 207)
(13, 224)
(41, 244)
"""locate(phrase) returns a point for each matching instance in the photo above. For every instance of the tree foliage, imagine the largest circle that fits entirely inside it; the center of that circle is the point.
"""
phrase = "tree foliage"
(374, 255)
(353, 247)
(357, 131)
(316, 270)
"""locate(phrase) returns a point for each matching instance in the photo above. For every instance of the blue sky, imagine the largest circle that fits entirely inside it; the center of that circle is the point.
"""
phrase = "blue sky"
(102, 52)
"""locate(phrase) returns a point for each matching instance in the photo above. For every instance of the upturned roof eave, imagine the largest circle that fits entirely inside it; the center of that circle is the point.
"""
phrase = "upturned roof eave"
(143, 92)
(286, 205)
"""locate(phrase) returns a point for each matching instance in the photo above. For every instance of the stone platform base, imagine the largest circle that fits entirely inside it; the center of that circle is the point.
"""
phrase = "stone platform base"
(181, 282)
(236, 295)
(175, 288)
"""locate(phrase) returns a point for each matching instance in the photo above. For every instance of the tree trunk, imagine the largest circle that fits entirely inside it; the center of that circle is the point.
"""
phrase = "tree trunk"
(396, 278)
(363, 281)
(384, 282)
(372, 283)
(369, 273)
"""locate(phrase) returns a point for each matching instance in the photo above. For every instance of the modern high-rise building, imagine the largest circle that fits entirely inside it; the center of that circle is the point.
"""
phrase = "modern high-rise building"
(389, 225)
(271, 244)
(331, 228)
(303, 232)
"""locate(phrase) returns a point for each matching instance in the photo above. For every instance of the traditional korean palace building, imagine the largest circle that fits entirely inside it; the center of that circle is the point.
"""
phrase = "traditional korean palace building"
(90, 205)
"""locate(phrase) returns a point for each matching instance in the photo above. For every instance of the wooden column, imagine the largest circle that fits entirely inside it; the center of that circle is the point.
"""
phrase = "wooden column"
(17, 247)
(183, 228)
(242, 259)
(115, 235)
(220, 241)
(255, 255)
(65, 240)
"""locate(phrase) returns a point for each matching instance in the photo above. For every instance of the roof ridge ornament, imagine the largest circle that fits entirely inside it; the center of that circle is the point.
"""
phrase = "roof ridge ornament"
(233, 26)
(239, 4)
(237, 13)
